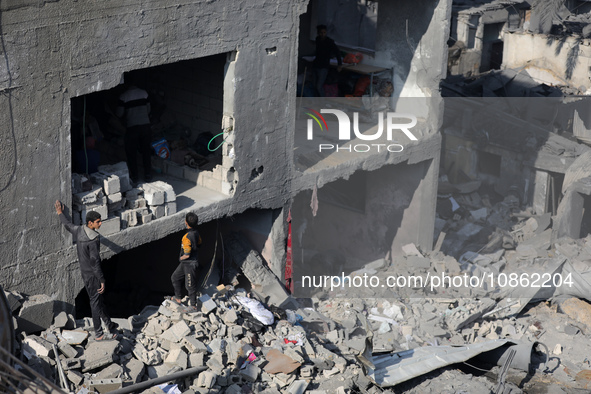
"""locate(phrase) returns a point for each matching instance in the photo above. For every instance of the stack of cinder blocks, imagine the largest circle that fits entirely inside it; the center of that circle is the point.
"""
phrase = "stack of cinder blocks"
(120, 205)
(160, 198)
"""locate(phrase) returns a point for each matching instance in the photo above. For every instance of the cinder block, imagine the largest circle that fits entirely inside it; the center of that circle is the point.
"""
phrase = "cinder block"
(100, 201)
(75, 377)
(170, 208)
(169, 194)
(114, 198)
(144, 216)
(109, 226)
(134, 193)
(178, 357)
(206, 379)
(88, 197)
(67, 350)
(153, 194)
(250, 373)
(109, 183)
(119, 169)
(128, 218)
(105, 385)
(36, 346)
(137, 203)
(158, 211)
(112, 208)
(207, 304)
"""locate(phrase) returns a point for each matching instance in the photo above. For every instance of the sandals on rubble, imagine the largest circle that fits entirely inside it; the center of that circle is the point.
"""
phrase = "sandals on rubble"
(106, 337)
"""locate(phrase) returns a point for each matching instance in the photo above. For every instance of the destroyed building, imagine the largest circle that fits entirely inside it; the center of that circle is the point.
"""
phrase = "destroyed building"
(506, 191)
(218, 67)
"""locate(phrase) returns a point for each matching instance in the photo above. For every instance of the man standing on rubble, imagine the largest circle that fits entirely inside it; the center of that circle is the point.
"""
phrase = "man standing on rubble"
(188, 263)
(88, 246)
(134, 108)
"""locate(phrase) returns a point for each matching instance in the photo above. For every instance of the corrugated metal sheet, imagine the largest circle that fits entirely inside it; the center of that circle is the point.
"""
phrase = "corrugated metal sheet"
(395, 368)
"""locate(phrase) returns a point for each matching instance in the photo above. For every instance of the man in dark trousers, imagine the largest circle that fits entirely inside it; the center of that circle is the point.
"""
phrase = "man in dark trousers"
(188, 263)
(88, 246)
(325, 50)
(134, 108)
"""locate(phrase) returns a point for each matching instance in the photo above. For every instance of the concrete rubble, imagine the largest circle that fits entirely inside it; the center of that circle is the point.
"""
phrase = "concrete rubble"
(335, 343)
(121, 205)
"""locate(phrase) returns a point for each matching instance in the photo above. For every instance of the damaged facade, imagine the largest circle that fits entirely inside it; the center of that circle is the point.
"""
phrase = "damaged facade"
(500, 202)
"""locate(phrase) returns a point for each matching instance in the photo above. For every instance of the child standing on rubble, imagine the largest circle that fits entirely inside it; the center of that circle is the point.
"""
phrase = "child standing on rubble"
(189, 262)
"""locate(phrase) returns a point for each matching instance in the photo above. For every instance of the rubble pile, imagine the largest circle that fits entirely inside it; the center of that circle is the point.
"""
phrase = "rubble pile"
(111, 193)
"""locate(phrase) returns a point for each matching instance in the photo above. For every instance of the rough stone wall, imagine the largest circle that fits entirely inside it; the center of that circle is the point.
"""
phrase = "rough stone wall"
(53, 51)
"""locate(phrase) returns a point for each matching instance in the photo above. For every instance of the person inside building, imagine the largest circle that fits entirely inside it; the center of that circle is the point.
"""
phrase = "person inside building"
(326, 49)
(88, 246)
(134, 109)
(188, 263)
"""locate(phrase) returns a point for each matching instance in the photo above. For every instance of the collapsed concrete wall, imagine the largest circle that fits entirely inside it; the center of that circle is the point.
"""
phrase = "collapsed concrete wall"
(551, 60)
(61, 50)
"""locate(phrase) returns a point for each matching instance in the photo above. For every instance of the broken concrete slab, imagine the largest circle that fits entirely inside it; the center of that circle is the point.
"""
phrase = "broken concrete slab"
(177, 332)
(36, 314)
(256, 271)
(74, 337)
(99, 354)
(34, 346)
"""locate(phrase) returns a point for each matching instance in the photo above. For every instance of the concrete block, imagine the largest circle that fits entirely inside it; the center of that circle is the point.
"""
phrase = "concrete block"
(110, 226)
(119, 169)
(61, 320)
(110, 183)
(156, 371)
(234, 389)
(207, 304)
(99, 354)
(170, 208)
(114, 198)
(118, 206)
(75, 377)
(134, 369)
(128, 218)
(34, 346)
(105, 385)
(236, 332)
(71, 363)
(136, 203)
(297, 387)
(196, 360)
(153, 194)
(230, 317)
(206, 379)
(89, 197)
(67, 350)
(217, 345)
(250, 373)
(169, 194)
(158, 211)
(36, 314)
(194, 345)
(113, 371)
(178, 357)
(74, 337)
(134, 194)
(144, 216)
(177, 332)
